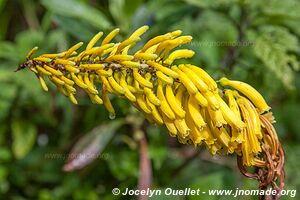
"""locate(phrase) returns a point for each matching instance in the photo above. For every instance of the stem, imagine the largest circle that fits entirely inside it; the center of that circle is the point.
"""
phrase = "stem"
(145, 177)
(232, 53)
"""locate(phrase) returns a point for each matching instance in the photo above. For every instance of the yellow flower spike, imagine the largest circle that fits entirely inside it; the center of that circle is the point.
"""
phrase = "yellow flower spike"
(141, 79)
(176, 33)
(195, 134)
(199, 83)
(64, 62)
(92, 66)
(232, 103)
(33, 70)
(174, 104)
(216, 117)
(185, 99)
(201, 99)
(115, 85)
(94, 40)
(107, 103)
(137, 87)
(203, 75)
(114, 50)
(106, 84)
(140, 100)
(255, 121)
(232, 119)
(164, 78)
(156, 40)
(43, 71)
(180, 92)
(212, 100)
(149, 93)
(140, 31)
(110, 36)
(125, 50)
(71, 69)
(129, 41)
(182, 40)
(168, 45)
(180, 98)
(90, 86)
(43, 84)
(72, 50)
(53, 71)
(164, 49)
(178, 54)
(62, 89)
(70, 88)
(183, 129)
(66, 80)
(249, 92)
(151, 49)
(123, 84)
(130, 85)
(209, 137)
(220, 133)
(98, 51)
(246, 153)
(163, 69)
(145, 56)
(194, 112)
(170, 125)
(88, 52)
(73, 99)
(42, 59)
(119, 58)
(251, 138)
(109, 51)
(106, 73)
(31, 52)
(56, 80)
(186, 81)
(131, 64)
(155, 113)
(78, 82)
(164, 106)
(52, 55)
(95, 98)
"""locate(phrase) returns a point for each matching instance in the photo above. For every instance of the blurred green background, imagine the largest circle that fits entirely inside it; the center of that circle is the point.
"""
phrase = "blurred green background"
(253, 41)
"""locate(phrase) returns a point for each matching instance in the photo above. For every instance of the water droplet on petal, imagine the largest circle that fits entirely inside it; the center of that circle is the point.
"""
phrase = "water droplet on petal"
(112, 115)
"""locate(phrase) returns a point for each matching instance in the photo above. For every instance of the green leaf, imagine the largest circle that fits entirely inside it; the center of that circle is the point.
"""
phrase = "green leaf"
(76, 28)
(123, 168)
(287, 9)
(211, 4)
(7, 50)
(78, 10)
(89, 147)
(5, 154)
(26, 40)
(212, 181)
(24, 135)
(2, 4)
(275, 46)
(123, 11)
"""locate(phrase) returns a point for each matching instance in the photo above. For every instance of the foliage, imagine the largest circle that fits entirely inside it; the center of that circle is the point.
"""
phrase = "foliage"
(253, 41)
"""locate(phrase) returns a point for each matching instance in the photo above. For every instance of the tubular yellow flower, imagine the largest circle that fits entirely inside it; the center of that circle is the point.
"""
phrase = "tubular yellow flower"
(186, 99)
